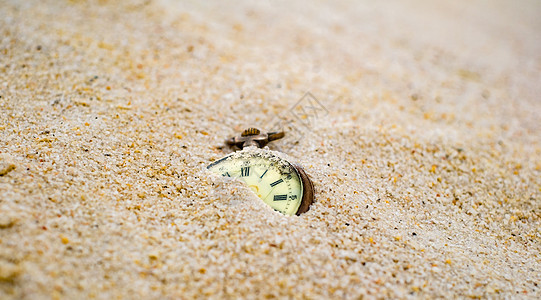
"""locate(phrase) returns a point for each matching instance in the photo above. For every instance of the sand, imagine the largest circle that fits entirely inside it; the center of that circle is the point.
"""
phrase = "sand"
(420, 132)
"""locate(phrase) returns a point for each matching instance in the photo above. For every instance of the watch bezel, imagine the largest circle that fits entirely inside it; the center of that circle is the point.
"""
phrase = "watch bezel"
(307, 190)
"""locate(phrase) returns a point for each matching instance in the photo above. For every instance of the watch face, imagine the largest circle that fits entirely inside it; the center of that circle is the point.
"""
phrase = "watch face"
(273, 179)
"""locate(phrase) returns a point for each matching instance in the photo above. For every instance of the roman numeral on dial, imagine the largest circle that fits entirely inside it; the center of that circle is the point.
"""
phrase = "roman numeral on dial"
(245, 171)
(277, 182)
(280, 197)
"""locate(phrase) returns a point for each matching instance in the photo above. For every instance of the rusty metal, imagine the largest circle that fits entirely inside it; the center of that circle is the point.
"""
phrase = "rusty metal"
(253, 137)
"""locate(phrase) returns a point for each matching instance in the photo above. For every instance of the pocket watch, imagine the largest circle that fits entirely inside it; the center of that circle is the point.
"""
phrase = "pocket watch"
(282, 185)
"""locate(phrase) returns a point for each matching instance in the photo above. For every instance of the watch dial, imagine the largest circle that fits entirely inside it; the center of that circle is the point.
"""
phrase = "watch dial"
(273, 179)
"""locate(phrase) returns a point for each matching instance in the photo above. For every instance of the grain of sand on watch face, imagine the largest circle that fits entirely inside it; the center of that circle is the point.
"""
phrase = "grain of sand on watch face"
(426, 167)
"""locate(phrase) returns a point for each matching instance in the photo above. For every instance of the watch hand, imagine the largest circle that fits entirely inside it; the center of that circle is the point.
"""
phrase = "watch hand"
(261, 177)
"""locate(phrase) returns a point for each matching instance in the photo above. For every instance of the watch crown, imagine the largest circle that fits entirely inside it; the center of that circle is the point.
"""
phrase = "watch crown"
(250, 131)
(253, 137)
